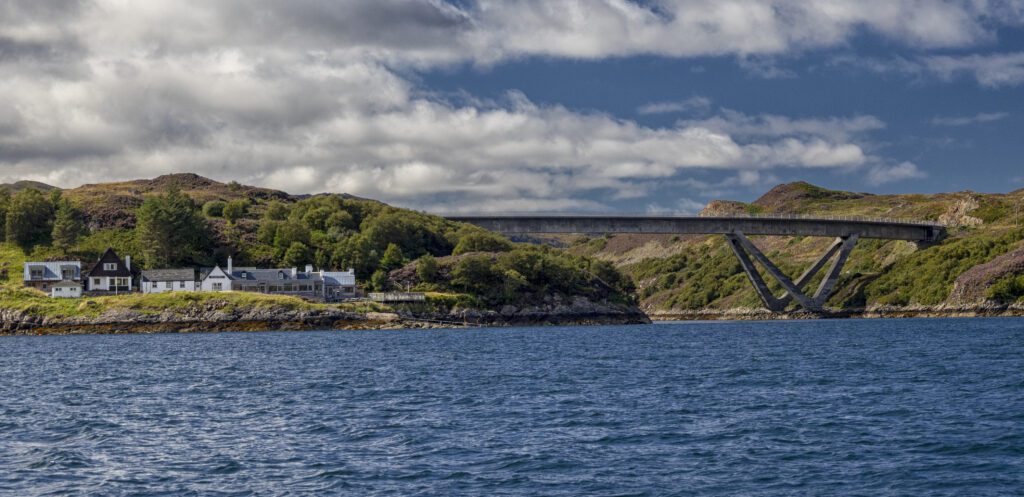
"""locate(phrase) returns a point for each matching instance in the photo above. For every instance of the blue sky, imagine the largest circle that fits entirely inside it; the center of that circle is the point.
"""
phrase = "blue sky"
(518, 105)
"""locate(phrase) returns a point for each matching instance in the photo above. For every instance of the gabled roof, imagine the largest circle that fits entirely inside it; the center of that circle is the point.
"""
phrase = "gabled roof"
(169, 275)
(277, 274)
(52, 271)
(339, 278)
(110, 257)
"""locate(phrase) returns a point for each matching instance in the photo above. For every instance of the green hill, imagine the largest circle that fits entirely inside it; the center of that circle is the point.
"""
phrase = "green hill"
(979, 263)
(185, 220)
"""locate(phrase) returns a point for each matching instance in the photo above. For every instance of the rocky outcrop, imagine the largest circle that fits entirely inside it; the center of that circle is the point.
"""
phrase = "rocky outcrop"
(213, 317)
(194, 318)
(554, 311)
(957, 214)
(970, 287)
(939, 311)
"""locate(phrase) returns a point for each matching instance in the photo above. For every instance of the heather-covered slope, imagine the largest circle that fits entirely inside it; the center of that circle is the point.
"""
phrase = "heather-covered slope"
(977, 264)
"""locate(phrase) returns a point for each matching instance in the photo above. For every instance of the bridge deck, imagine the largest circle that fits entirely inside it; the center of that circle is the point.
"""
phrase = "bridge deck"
(783, 226)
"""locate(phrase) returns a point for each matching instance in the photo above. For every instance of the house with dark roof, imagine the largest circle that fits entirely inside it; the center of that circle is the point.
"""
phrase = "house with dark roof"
(168, 280)
(43, 275)
(110, 274)
(281, 281)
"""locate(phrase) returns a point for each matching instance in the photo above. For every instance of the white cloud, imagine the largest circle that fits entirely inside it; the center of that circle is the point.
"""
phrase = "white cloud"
(991, 70)
(887, 174)
(994, 70)
(692, 104)
(984, 117)
(311, 95)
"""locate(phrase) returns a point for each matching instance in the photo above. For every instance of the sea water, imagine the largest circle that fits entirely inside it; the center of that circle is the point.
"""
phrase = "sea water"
(844, 407)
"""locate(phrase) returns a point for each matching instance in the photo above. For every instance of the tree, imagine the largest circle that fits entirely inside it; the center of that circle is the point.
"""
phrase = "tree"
(214, 208)
(29, 218)
(276, 211)
(380, 281)
(475, 274)
(290, 232)
(67, 226)
(426, 269)
(5, 203)
(316, 219)
(169, 229)
(481, 241)
(296, 255)
(235, 210)
(355, 252)
(340, 221)
(392, 258)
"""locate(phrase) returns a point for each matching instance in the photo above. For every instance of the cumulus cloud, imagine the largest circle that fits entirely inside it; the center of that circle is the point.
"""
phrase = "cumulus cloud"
(880, 175)
(314, 95)
(984, 117)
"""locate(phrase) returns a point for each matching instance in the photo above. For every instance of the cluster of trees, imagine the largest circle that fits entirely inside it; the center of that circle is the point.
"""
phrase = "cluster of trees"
(327, 231)
(30, 218)
(517, 274)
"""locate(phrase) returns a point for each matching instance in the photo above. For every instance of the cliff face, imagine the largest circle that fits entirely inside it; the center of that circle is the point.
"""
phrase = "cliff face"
(698, 274)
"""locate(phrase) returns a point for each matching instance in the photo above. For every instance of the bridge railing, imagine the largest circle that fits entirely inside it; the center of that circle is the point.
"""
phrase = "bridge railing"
(808, 217)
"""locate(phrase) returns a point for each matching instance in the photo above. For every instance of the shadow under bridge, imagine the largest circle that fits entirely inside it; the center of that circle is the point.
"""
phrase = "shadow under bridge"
(845, 230)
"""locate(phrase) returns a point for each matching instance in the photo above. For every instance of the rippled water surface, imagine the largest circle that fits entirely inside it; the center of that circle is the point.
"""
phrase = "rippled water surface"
(873, 407)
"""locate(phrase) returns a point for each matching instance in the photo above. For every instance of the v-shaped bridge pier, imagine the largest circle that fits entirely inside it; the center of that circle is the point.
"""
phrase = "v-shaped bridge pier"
(845, 231)
(744, 250)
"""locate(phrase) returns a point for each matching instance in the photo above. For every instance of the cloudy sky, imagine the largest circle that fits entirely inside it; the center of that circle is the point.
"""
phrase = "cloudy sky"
(518, 105)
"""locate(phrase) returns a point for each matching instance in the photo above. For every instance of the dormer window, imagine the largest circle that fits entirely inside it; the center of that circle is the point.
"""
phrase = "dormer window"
(280, 275)
(36, 273)
(110, 266)
(245, 275)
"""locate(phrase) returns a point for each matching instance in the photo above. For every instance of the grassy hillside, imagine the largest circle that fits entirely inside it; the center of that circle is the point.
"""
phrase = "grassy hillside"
(185, 220)
(980, 261)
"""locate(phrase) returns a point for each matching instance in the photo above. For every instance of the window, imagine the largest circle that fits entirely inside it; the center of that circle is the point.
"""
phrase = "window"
(110, 266)
(36, 273)
(67, 274)
(218, 287)
(96, 282)
(181, 284)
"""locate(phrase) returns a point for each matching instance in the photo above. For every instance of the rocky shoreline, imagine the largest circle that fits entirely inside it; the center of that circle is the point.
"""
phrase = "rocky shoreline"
(217, 319)
(212, 319)
(940, 311)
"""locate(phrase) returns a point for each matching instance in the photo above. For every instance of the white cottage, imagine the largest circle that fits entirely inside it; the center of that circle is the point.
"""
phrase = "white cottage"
(66, 289)
(217, 280)
(168, 280)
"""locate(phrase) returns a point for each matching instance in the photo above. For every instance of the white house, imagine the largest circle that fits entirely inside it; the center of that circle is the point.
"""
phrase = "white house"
(111, 274)
(66, 289)
(339, 285)
(43, 275)
(334, 285)
(217, 280)
(168, 280)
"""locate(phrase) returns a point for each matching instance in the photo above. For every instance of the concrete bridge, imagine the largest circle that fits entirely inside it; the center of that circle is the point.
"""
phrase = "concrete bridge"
(845, 230)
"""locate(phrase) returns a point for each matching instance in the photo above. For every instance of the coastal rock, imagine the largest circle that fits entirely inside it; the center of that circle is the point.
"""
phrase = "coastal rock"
(970, 286)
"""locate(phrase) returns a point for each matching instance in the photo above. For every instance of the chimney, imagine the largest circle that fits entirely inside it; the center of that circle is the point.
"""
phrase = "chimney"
(295, 272)
(230, 265)
(128, 262)
(309, 268)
